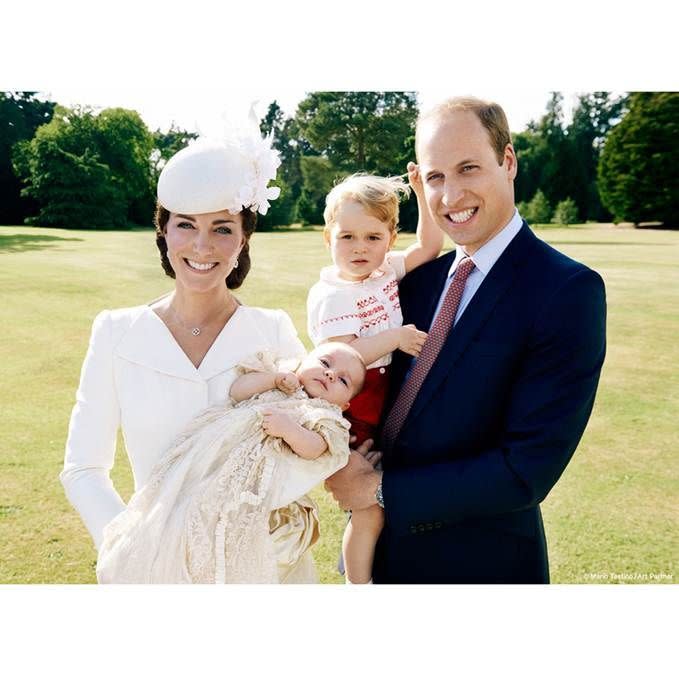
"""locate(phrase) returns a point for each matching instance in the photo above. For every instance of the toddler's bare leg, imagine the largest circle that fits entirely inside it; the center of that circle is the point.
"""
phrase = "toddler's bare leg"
(358, 544)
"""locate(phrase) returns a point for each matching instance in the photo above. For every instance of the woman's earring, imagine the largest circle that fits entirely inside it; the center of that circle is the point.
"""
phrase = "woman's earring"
(235, 266)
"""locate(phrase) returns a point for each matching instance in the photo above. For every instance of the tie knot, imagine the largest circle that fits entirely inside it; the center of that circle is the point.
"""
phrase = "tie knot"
(464, 268)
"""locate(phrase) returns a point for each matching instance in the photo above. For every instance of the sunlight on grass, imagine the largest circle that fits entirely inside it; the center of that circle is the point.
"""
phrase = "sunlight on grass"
(613, 512)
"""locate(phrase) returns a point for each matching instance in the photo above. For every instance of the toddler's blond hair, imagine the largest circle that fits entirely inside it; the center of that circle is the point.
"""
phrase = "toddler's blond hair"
(379, 196)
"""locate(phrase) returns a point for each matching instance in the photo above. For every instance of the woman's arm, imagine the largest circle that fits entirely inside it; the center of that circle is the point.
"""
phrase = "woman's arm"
(90, 447)
(429, 235)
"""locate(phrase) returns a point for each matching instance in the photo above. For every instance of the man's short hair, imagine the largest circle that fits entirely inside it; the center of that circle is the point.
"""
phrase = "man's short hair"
(490, 114)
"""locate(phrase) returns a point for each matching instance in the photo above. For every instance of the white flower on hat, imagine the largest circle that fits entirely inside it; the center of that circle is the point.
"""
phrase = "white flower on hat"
(230, 174)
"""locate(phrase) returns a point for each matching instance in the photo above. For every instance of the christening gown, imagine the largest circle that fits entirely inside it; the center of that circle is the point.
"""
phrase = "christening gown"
(206, 514)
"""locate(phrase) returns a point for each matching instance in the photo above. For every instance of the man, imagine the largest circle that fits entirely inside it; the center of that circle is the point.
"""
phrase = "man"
(479, 428)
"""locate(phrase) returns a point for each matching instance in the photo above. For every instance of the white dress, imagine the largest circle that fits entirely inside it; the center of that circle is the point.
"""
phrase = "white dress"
(136, 378)
(203, 516)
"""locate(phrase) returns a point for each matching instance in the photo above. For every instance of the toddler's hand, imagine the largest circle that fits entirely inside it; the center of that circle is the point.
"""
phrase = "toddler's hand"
(287, 382)
(276, 423)
(410, 339)
(415, 181)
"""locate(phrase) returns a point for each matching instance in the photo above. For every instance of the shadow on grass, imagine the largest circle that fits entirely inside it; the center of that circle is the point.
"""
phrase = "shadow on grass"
(25, 242)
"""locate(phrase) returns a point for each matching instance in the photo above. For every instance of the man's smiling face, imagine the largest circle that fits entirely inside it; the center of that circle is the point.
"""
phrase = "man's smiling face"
(469, 193)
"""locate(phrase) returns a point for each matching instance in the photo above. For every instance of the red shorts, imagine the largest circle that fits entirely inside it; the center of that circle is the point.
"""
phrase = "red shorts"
(366, 408)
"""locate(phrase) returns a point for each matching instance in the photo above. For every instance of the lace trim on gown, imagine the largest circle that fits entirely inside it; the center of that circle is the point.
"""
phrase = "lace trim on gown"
(206, 513)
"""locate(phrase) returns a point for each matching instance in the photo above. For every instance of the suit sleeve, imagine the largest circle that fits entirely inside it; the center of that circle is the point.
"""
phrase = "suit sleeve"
(549, 405)
(90, 447)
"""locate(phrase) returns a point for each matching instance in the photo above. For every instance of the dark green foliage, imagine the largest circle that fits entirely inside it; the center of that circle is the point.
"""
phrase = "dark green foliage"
(638, 178)
(565, 213)
(318, 177)
(537, 211)
(89, 171)
(350, 132)
(281, 211)
(21, 113)
(562, 161)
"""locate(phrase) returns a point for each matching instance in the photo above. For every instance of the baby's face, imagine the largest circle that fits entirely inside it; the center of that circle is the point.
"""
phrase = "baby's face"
(333, 373)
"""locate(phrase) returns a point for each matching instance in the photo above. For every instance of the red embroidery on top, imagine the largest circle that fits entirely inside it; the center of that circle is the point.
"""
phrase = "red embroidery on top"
(334, 319)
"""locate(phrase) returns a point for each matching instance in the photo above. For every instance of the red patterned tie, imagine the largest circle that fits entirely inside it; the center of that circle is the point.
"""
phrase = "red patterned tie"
(435, 339)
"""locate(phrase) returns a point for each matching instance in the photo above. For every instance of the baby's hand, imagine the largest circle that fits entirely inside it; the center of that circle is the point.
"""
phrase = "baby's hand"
(415, 181)
(410, 339)
(287, 382)
(276, 423)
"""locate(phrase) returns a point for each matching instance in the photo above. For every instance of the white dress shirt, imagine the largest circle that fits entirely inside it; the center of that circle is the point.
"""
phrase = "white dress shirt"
(137, 378)
(484, 259)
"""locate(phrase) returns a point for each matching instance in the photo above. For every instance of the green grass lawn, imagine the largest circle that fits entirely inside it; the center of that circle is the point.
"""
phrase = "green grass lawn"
(611, 518)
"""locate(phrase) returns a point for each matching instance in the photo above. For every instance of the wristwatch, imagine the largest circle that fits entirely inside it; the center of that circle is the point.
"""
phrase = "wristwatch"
(378, 495)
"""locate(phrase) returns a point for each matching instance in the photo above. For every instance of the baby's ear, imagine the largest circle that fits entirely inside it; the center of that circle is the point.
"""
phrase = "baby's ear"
(345, 407)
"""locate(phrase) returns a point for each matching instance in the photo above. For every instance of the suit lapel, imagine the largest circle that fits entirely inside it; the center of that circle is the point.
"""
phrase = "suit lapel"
(419, 309)
(496, 284)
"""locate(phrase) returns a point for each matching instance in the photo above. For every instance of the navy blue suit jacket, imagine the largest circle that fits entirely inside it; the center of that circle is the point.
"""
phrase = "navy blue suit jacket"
(496, 420)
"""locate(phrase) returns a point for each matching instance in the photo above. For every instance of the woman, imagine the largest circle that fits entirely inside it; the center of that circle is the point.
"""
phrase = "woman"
(150, 369)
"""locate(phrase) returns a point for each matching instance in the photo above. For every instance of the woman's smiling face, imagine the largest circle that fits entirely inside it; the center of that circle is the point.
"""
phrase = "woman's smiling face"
(203, 249)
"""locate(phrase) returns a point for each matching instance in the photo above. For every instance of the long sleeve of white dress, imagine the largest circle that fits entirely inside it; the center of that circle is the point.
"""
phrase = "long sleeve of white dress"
(90, 447)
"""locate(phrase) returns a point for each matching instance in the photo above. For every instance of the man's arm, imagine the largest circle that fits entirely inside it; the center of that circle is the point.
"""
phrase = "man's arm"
(549, 406)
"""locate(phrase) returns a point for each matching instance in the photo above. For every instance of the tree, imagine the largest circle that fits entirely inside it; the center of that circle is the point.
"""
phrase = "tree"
(360, 131)
(566, 212)
(88, 171)
(593, 117)
(318, 178)
(537, 211)
(291, 146)
(21, 113)
(166, 144)
(355, 132)
(281, 211)
(638, 179)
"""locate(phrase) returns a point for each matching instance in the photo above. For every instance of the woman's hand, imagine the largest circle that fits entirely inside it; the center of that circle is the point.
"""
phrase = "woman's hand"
(411, 340)
(287, 382)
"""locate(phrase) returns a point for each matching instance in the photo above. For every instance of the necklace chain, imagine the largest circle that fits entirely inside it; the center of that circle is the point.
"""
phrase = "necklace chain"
(194, 330)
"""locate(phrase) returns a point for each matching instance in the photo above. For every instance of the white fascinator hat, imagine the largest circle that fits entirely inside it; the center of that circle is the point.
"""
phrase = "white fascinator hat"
(230, 174)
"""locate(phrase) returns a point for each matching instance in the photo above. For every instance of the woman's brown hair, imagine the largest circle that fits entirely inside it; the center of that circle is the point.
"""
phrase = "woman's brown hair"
(237, 276)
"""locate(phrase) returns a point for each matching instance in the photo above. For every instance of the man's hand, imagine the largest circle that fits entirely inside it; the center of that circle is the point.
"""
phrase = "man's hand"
(411, 340)
(354, 486)
(277, 423)
(287, 382)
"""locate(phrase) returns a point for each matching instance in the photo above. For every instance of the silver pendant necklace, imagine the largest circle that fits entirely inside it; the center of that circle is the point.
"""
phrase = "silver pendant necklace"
(195, 331)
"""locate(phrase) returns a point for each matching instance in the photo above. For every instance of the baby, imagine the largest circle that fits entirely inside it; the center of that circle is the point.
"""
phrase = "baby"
(203, 516)
(356, 301)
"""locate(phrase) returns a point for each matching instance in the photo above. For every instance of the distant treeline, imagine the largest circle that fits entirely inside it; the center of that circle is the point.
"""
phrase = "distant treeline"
(80, 168)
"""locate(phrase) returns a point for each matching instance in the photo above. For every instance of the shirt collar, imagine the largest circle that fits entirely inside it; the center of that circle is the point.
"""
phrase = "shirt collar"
(486, 256)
